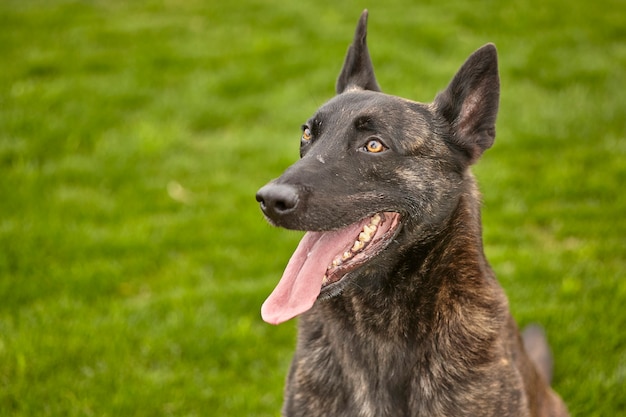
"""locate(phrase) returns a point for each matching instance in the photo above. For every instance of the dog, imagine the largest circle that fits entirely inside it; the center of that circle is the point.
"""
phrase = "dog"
(400, 312)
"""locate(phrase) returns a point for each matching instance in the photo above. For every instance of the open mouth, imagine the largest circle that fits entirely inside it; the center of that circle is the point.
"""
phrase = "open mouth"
(323, 259)
(375, 234)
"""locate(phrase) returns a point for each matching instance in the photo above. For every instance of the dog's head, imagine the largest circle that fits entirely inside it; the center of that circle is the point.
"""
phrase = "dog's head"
(375, 169)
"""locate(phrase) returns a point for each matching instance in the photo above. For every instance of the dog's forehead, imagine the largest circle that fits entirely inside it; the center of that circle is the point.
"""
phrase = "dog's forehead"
(357, 103)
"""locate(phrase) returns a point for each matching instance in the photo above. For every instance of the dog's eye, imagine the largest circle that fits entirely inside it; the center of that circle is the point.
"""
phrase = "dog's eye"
(374, 146)
(306, 134)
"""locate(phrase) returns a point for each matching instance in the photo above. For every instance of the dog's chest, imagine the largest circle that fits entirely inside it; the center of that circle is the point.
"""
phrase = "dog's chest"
(355, 376)
(342, 372)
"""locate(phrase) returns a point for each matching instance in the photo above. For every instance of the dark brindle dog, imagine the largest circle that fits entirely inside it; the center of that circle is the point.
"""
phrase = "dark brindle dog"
(401, 313)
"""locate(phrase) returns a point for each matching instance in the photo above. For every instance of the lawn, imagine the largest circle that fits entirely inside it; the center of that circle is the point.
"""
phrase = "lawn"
(133, 136)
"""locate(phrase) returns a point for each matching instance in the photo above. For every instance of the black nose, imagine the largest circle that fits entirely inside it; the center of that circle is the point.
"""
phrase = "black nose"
(277, 199)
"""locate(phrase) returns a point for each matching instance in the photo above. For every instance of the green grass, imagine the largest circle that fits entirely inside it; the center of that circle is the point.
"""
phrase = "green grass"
(133, 135)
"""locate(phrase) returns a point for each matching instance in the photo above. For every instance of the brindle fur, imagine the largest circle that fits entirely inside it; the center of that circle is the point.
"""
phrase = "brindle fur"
(424, 328)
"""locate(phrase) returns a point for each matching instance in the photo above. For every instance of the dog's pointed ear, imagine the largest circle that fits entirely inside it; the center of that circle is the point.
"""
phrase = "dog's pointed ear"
(470, 103)
(357, 71)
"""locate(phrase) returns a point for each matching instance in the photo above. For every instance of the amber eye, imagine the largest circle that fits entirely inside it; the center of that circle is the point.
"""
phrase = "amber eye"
(306, 134)
(374, 146)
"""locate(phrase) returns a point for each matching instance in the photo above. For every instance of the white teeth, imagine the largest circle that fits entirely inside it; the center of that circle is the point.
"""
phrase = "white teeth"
(367, 233)
(324, 280)
(366, 236)
(370, 230)
(358, 245)
(336, 262)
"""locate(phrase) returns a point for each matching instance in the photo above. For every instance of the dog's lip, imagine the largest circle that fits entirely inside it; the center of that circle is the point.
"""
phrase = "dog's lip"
(351, 259)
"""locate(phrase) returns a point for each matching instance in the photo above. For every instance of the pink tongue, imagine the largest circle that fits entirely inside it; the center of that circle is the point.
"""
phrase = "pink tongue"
(301, 282)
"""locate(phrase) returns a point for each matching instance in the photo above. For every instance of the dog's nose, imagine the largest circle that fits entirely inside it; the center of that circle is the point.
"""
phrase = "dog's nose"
(277, 199)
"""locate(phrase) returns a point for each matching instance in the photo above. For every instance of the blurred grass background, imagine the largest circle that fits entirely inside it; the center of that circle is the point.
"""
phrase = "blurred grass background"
(133, 136)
